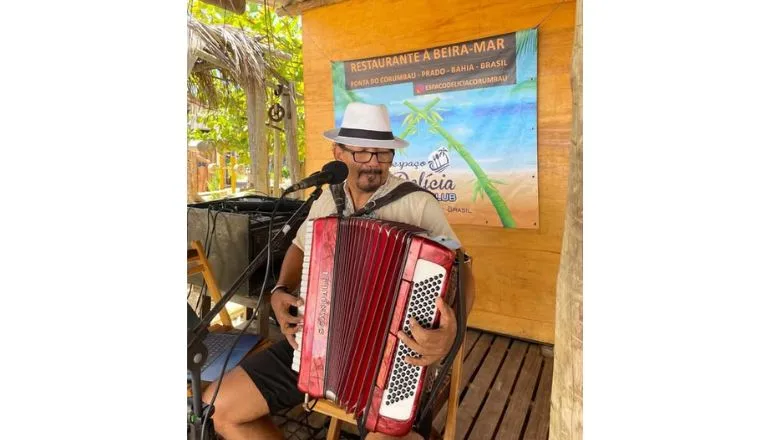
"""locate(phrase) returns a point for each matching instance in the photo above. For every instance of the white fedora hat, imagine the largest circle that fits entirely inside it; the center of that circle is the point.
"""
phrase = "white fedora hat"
(365, 125)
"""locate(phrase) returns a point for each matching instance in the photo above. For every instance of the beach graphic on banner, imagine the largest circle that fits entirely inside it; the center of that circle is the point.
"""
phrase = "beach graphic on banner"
(469, 113)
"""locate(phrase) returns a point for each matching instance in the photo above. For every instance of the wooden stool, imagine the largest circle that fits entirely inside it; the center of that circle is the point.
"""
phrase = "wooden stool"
(339, 415)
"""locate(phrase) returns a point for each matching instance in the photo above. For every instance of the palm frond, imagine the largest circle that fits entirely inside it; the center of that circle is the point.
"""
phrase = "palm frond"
(478, 190)
(526, 42)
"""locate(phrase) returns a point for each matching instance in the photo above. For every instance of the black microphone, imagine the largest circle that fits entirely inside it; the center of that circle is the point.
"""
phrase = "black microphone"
(332, 173)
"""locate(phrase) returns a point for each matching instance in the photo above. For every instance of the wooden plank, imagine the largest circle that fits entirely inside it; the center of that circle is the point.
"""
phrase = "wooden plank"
(453, 400)
(484, 428)
(477, 389)
(471, 336)
(537, 425)
(195, 269)
(294, 7)
(471, 363)
(334, 429)
(469, 367)
(328, 408)
(513, 420)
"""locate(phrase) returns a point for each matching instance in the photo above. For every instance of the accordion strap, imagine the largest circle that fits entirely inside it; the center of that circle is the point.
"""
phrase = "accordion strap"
(338, 193)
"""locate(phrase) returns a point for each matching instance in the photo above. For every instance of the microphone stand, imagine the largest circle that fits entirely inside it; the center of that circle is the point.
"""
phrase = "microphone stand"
(196, 349)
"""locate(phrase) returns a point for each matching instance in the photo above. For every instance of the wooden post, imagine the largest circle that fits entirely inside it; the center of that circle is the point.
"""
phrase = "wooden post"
(255, 110)
(277, 163)
(290, 126)
(233, 174)
(221, 167)
(566, 418)
(192, 178)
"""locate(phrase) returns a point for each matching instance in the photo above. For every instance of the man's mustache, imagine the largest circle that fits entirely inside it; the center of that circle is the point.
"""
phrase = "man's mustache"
(371, 171)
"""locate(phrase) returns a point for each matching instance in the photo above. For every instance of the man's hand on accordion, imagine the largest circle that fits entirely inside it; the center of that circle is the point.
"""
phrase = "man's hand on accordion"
(290, 324)
(432, 345)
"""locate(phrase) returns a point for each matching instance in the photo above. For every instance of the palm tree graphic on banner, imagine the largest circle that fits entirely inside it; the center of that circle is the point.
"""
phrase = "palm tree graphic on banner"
(483, 184)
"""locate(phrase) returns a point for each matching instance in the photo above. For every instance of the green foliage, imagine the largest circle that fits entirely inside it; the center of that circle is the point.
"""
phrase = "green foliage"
(526, 42)
(227, 121)
(525, 90)
(342, 96)
(213, 182)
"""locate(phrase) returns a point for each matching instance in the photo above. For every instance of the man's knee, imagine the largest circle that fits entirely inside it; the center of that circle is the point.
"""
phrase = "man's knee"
(238, 399)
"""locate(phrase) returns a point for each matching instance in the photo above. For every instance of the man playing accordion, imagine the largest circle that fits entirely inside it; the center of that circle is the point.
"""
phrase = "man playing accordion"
(265, 382)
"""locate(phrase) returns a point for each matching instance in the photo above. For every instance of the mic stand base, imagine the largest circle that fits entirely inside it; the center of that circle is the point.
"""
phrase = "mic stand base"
(194, 424)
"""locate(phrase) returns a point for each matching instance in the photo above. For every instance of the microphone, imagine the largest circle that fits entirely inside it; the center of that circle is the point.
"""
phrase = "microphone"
(332, 173)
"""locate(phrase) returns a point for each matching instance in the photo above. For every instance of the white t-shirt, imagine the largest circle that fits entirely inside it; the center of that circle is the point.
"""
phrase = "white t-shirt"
(418, 209)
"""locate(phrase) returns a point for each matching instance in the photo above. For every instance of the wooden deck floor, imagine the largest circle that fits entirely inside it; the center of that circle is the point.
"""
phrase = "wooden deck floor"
(506, 390)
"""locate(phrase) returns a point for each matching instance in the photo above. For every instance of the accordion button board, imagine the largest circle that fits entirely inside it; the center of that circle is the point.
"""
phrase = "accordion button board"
(399, 396)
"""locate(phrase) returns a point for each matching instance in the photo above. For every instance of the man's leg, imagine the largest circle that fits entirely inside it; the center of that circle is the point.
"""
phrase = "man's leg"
(264, 382)
(240, 411)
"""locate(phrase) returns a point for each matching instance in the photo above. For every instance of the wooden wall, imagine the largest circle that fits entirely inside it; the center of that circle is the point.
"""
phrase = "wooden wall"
(515, 270)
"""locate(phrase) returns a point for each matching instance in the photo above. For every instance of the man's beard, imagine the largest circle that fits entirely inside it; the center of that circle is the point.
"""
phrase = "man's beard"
(369, 180)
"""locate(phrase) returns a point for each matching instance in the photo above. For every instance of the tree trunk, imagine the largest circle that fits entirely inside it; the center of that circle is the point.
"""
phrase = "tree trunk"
(290, 125)
(566, 419)
(255, 111)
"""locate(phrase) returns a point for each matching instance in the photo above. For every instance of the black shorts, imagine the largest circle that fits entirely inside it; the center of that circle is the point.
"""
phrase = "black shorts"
(271, 371)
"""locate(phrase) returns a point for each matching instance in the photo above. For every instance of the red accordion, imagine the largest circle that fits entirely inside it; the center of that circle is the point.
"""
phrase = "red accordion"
(361, 281)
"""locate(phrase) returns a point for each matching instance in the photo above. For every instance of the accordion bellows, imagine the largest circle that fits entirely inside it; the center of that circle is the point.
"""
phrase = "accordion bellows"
(362, 279)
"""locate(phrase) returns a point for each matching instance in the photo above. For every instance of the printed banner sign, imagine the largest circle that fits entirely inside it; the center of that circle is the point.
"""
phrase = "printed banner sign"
(469, 113)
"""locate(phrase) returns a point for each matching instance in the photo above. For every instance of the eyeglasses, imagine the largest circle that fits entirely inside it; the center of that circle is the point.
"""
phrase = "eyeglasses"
(366, 156)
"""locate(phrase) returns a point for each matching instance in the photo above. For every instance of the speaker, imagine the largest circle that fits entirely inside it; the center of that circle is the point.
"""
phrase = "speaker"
(233, 232)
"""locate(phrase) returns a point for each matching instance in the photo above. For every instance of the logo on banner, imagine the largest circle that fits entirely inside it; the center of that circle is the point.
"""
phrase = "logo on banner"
(439, 160)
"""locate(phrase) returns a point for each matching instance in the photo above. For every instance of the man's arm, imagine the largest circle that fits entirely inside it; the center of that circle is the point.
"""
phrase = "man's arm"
(281, 300)
(291, 269)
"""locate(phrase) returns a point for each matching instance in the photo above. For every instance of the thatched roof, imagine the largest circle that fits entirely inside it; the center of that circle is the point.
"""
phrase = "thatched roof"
(238, 55)
(282, 7)
(297, 7)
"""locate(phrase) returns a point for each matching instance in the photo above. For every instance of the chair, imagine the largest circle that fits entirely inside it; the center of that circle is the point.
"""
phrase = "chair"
(339, 416)
(198, 263)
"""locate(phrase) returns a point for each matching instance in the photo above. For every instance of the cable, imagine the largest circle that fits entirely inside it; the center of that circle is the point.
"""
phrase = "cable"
(304, 423)
(248, 324)
(207, 245)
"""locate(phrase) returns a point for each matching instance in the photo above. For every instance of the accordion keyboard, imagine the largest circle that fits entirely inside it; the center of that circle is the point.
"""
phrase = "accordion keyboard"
(428, 282)
(303, 292)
